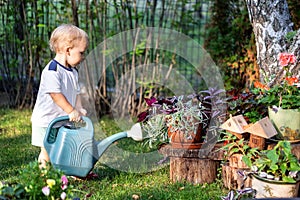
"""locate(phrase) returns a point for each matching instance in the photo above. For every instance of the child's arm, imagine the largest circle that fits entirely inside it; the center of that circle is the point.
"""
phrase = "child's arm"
(62, 102)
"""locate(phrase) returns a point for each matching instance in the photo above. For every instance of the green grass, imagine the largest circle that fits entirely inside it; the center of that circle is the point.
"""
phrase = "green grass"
(123, 172)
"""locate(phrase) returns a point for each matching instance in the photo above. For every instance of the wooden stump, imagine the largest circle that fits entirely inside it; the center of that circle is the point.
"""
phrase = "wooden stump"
(230, 176)
(191, 165)
(232, 180)
(236, 161)
(193, 170)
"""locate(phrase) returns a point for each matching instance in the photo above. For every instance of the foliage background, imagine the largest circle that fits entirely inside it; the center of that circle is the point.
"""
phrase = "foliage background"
(221, 26)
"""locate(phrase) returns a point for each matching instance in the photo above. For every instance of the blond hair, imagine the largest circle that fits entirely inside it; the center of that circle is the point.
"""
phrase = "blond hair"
(66, 35)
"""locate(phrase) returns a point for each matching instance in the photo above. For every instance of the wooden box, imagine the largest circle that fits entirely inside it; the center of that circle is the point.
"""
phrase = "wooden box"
(256, 141)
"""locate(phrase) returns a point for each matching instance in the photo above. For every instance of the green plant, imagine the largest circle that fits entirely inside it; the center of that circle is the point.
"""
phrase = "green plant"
(188, 116)
(246, 104)
(177, 114)
(233, 145)
(183, 113)
(278, 162)
(156, 130)
(46, 183)
(35, 183)
(11, 191)
(285, 94)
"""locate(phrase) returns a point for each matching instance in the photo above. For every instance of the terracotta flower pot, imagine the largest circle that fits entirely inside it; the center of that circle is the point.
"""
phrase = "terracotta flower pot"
(179, 139)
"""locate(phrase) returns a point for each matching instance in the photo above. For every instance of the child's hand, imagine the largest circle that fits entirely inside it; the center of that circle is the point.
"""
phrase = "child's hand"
(75, 116)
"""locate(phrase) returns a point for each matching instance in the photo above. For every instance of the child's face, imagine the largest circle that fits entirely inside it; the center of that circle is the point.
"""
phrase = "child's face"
(76, 54)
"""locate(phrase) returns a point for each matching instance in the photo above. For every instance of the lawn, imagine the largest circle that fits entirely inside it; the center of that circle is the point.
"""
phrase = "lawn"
(127, 170)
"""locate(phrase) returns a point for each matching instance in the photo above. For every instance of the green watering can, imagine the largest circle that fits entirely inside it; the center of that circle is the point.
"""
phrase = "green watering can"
(74, 150)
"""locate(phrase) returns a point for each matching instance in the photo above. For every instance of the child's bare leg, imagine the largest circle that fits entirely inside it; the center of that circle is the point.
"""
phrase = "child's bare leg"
(43, 158)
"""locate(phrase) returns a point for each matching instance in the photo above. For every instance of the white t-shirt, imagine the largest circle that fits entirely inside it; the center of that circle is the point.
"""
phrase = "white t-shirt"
(55, 79)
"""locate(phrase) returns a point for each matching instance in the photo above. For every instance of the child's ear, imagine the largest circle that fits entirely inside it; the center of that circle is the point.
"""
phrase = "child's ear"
(67, 50)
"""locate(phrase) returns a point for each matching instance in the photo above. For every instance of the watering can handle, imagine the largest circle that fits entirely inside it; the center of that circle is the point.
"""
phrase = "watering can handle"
(50, 137)
(58, 119)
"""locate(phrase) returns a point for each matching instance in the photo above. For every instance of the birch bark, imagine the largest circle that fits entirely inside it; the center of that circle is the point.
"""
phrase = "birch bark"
(271, 22)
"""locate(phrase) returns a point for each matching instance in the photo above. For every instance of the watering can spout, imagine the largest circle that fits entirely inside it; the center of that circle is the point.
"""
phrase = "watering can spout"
(105, 143)
(135, 133)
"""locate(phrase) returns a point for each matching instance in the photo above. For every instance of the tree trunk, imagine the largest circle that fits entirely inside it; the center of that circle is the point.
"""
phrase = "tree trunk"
(295, 48)
(271, 21)
(75, 12)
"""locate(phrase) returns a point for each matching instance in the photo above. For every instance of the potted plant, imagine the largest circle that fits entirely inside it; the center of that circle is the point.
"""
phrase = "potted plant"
(237, 153)
(275, 171)
(186, 122)
(180, 119)
(283, 100)
(167, 116)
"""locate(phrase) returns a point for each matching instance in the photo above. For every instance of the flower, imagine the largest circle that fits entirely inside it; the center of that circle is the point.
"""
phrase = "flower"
(50, 182)
(291, 80)
(63, 195)
(46, 190)
(259, 85)
(64, 181)
(286, 58)
(286, 93)
(63, 187)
